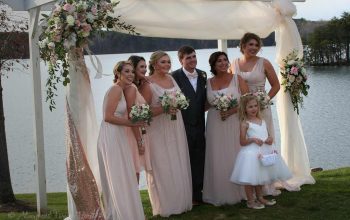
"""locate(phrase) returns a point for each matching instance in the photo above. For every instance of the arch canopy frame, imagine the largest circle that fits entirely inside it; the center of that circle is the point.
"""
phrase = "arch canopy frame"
(191, 19)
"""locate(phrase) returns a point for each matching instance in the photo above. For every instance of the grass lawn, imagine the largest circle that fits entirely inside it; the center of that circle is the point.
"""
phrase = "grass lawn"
(329, 198)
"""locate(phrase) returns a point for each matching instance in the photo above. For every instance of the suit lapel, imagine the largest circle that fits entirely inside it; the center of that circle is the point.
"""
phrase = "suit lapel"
(200, 80)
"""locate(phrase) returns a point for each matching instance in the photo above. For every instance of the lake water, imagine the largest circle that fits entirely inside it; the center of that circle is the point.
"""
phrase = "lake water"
(324, 119)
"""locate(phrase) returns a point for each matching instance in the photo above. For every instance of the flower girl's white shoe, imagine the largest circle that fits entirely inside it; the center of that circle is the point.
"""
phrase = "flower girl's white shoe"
(267, 202)
(255, 205)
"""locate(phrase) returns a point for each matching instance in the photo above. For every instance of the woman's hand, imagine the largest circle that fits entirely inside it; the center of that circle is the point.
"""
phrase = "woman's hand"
(225, 114)
(143, 78)
(269, 141)
(257, 141)
(137, 124)
(173, 111)
(141, 146)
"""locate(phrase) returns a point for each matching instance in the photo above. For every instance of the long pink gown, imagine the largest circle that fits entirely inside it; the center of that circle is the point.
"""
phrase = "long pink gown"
(120, 194)
(170, 186)
(141, 162)
(222, 147)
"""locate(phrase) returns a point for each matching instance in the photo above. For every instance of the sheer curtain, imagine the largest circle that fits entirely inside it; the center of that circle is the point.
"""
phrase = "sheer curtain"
(81, 138)
(198, 19)
(293, 147)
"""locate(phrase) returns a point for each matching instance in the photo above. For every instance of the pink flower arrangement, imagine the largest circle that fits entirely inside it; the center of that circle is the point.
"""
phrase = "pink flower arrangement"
(174, 99)
(68, 27)
(294, 79)
(68, 7)
(294, 70)
(223, 102)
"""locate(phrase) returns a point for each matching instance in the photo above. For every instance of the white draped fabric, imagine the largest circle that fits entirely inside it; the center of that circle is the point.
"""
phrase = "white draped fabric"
(199, 19)
(293, 147)
(81, 109)
(206, 19)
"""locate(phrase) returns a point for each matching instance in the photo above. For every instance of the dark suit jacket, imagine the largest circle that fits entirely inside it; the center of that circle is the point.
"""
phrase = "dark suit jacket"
(193, 116)
(194, 121)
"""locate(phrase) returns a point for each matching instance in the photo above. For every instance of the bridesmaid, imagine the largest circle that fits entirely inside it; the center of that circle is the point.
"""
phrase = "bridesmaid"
(170, 186)
(254, 70)
(222, 137)
(139, 142)
(121, 198)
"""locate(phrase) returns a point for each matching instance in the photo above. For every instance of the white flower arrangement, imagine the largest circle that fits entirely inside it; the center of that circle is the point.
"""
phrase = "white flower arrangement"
(294, 79)
(141, 113)
(263, 98)
(174, 99)
(223, 102)
(68, 27)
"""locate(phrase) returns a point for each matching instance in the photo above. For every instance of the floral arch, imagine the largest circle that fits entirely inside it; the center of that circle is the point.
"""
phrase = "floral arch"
(194, 19)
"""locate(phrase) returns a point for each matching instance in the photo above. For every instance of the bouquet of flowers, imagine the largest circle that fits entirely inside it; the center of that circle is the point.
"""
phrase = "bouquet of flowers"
(294, 78)
(264, 99)
(141, 113)
(174, 99)
(69, 26)
(223, 102)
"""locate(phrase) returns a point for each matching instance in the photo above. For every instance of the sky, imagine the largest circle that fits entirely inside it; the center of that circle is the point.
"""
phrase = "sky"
(321, 9)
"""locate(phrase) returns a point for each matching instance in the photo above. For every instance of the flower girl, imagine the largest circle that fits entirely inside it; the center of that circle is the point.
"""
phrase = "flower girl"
(249, 169)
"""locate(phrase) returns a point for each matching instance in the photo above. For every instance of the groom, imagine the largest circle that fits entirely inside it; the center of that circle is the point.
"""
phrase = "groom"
(192, 83)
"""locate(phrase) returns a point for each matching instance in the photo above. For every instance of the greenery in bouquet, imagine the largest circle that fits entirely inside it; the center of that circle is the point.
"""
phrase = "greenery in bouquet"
(140, 113)
(69, 26)
(223, 102)
(174, 99)
(294, 79)
(264, 99)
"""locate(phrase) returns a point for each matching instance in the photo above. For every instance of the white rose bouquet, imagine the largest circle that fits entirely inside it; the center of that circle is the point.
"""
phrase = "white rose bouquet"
(223, 102)
(175, 99)
(141, 113)
(264, 99)
(294, 79)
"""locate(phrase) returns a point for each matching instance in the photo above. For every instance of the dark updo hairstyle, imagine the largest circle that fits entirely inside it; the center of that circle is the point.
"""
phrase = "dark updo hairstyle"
(135, 60)
(154, 58)
(117, 70)
(213, 58)
(184, 50)
(246, 38)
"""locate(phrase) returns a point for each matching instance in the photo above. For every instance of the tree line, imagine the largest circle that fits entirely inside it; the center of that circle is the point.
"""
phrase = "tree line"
(329, 44)
(114, 43)
(325, 42)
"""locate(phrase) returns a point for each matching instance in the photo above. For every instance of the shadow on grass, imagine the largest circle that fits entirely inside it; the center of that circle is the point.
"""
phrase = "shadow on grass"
(17, 206)
(329, 198)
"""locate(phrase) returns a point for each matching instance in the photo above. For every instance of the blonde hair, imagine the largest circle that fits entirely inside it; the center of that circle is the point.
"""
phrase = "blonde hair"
(243, 105)
(117, 70)
(154, 58)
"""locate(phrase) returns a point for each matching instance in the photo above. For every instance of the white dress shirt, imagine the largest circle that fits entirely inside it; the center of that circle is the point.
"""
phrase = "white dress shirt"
(192, 77)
